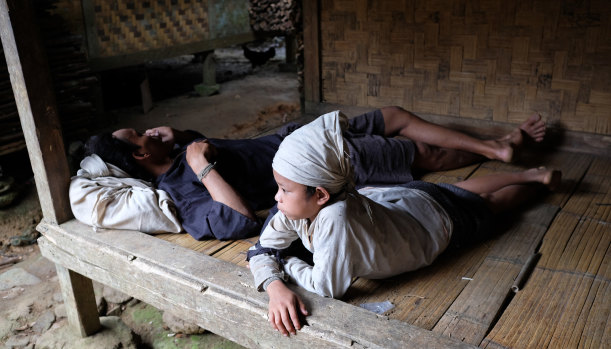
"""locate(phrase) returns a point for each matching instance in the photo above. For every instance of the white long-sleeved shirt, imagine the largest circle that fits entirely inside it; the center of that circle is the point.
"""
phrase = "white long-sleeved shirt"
(409, 230)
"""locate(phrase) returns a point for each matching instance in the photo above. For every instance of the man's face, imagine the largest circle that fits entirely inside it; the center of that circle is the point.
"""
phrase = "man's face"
(293, 200)
(151, 145)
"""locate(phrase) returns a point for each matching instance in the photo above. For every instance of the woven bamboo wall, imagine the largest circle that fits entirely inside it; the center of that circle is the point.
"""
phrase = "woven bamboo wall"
(479, 59)
(132, 26)
(126, 32)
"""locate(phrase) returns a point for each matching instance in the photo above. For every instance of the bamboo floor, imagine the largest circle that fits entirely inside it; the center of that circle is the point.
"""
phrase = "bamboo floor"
(466, 294)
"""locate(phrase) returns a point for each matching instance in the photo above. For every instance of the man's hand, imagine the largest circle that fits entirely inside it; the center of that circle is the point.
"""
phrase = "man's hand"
(200, 154)
(165, 133)
(284, 308)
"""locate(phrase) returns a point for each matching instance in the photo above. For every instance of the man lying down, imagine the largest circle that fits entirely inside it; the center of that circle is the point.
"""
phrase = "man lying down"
(216, 185)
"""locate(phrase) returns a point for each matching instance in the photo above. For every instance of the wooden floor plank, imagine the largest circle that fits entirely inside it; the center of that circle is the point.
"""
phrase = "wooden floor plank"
(450, 176)
(208, 247)
(566, 292)
(236, 251)
(475, 309)
(423, 296)
(473, 312)
(566, 303)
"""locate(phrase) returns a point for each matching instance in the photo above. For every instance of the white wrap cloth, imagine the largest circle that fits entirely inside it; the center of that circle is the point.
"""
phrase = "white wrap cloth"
(104, 196)
(317, 154)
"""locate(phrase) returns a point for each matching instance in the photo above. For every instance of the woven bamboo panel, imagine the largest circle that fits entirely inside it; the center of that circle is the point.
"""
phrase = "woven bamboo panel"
(129, 26)
(486, 59)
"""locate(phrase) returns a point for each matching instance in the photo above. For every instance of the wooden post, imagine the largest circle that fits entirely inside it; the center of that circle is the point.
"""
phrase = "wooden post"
(79, 299)
(312, 88)
(29, 72)
(35, 99)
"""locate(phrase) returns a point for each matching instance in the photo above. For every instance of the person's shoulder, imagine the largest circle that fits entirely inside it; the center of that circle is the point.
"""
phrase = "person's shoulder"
(333, 211)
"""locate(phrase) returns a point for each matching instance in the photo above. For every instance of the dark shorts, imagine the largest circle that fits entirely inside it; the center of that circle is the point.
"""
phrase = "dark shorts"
(375, 158)
(469, 213)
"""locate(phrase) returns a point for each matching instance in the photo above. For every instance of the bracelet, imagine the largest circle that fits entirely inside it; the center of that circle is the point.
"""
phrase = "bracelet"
(205, 171)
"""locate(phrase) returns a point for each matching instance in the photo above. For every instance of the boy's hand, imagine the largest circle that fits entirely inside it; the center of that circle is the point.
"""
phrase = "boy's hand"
(284, 306)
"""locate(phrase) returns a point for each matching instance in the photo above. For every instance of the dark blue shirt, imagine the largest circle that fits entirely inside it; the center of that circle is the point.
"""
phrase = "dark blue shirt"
(246, 165)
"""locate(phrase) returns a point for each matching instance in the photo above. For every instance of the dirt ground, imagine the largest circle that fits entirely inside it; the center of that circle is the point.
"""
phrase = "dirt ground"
(250, 102)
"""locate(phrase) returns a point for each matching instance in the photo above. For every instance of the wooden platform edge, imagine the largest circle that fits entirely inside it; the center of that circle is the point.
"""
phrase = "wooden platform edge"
(217, 295)
(557, 138)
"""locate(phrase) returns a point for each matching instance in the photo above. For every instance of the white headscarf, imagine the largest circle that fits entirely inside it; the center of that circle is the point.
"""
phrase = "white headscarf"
(317, 155)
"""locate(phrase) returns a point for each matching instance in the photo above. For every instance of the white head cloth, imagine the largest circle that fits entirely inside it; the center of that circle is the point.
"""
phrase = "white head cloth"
(317, 154)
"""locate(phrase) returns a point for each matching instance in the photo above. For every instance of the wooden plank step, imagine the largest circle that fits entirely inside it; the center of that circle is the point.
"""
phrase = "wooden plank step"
(215, 294)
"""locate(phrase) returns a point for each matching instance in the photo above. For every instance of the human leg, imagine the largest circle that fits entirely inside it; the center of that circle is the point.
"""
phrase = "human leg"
(504, 191)
(432, 158)
(398, 121)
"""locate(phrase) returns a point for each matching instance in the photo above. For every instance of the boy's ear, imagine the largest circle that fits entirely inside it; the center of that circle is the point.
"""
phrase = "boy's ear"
(322, 196)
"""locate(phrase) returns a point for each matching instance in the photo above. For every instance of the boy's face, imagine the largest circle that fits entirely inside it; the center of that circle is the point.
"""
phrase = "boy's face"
(293, 200)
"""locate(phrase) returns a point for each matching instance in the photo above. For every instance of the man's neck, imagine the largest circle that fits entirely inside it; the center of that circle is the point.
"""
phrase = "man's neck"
(157, 169)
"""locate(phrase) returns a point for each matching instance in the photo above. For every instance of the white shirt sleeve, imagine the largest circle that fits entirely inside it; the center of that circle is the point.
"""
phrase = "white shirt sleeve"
(278, 234)
(331, 275)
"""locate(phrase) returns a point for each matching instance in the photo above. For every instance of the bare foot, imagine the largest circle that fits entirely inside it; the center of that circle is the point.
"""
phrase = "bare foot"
(501, 149)
(550, 178)
(534, 127)
(506, 146)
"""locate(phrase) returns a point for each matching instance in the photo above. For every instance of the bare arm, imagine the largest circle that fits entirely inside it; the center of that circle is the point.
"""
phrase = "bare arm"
(198, 155)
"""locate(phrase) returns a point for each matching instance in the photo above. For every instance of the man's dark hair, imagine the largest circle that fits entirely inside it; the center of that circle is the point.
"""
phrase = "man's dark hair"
(117, 152)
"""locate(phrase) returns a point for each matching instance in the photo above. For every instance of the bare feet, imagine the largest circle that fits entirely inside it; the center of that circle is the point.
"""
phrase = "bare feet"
(550, 178)
(534, 127)
(508, 145)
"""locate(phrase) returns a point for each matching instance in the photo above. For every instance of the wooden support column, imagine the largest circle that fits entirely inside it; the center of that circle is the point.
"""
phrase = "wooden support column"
(35, 99)
(312, 87)
(33, 89)
(79, 299)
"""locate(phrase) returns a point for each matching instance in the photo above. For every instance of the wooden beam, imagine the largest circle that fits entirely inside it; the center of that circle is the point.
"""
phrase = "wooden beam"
(35, 99)
(312, 89)
(99, 63)
(218, 295)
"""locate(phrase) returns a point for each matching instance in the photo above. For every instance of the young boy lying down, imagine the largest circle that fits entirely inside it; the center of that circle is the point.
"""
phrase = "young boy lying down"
(373, 233)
